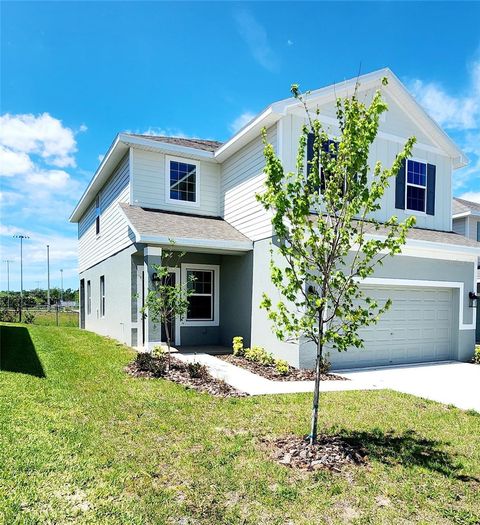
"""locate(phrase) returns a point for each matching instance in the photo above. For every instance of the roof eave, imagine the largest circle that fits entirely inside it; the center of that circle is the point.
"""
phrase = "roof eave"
(210, 244)
(132, 140)
(114, 154)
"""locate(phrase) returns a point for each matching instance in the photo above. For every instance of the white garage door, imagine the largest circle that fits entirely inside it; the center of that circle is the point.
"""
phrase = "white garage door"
(417, 328)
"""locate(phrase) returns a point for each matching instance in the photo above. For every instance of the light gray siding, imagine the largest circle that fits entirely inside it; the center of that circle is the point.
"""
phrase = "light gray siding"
(242, 179)
(459, 225)
(149, 188)
(114, 232)
(117, 271)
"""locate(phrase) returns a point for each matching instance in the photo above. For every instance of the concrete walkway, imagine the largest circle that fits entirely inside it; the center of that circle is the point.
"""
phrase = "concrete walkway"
(449, 382)
(254, 384)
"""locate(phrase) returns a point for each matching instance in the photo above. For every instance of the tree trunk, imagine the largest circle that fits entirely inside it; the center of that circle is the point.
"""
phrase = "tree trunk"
(316, 390)
(167, 335)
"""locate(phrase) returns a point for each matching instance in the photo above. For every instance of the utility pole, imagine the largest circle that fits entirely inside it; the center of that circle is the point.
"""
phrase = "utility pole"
(21, 237)
(8, 261)
(61, 297)
(48, 277)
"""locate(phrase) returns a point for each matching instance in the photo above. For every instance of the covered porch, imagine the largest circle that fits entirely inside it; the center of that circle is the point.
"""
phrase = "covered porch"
(220, 261)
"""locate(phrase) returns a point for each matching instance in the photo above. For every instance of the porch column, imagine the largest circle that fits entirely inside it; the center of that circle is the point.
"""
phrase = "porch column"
(151, 255)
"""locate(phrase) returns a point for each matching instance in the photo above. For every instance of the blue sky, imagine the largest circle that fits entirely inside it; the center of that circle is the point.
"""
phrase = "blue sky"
(75, 74)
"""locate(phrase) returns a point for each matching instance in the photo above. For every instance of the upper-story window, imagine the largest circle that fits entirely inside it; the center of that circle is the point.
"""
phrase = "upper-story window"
(97, 214)
(182, 178)
(329, 149)
(416, 197)
(478, 231)
(415, 187)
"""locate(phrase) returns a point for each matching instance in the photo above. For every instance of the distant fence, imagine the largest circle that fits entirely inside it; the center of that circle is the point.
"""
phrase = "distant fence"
(42, 315)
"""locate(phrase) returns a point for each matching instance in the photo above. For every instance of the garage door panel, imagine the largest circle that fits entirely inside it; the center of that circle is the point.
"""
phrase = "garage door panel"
(418, 327)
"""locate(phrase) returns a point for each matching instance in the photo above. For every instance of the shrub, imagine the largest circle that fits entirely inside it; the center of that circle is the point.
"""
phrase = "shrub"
(29, 318)
(146, 362)
(238, 349)
(159, 351)
(282, 367)
(476, 355)
(259, 355)
(7, 316)
(197, 371)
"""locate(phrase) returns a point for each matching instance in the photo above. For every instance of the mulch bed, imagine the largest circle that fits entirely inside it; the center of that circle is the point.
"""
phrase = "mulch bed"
(178, 373)
(269, 371)
(330, 452)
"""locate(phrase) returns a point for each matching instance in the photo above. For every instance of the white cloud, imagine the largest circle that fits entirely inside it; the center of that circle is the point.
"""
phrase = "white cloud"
(14, 162)
(40, 135)
(256, 38)
(241, 121)
(49, 179)
(460, 112)
(289, 42)
(473, 196)
(100, 158)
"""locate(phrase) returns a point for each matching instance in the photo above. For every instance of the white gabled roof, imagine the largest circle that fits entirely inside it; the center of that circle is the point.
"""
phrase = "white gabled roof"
(269, 116)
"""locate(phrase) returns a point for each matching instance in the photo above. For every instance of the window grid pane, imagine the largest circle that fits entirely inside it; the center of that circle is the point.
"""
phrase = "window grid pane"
(201, 301)
(417, 173)
(183, 181)
(415, 198)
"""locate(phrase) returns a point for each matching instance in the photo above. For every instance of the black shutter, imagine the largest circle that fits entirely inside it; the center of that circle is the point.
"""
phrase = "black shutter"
(310, 141)
(431, 175)
(400, 188)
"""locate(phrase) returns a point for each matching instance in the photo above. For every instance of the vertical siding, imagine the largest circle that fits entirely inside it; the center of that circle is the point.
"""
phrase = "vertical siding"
(458, 225)
(242, 179)
(148, 184)
(114, 232)
(472, 228)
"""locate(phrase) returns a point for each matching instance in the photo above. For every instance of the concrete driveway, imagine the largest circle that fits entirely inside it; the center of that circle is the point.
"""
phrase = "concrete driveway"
(448, 382)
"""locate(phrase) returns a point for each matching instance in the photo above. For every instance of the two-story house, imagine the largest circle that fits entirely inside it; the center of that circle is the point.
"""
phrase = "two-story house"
(466, 221)
(201, 194)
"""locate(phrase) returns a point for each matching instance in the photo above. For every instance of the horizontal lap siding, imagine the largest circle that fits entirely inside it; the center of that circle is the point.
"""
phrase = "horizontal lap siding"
(242, 179)
(114, 232)
(148, 184)
(459, 226)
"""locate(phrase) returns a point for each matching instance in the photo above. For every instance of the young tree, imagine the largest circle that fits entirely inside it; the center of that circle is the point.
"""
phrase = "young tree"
(167, 299)
(322, 215)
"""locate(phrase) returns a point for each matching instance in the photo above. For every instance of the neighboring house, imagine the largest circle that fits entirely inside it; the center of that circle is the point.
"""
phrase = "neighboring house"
(201, 194)
(466, 221)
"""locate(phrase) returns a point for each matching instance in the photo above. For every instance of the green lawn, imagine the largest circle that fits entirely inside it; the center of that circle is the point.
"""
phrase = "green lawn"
(81, 442)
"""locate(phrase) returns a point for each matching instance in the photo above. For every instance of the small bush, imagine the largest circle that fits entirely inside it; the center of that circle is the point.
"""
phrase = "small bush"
(238, 349)
(476, 355)
(145, 362)
(197, 371)
(259, 355)
(7, 316)
(29, 318)
(159, 351)
(282, 367)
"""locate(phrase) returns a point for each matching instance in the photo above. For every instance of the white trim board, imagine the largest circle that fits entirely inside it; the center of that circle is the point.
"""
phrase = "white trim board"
(380, 281)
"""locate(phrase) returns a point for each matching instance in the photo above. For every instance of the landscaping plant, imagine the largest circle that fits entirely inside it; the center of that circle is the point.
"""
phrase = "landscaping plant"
(322, 215)
(166, 299)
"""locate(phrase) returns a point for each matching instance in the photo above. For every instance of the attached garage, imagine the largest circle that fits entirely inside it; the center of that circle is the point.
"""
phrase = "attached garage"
(419, 327)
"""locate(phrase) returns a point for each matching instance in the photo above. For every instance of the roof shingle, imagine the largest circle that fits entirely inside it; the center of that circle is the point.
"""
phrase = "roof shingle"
(205, 145)
(177, 226)
(464, 206)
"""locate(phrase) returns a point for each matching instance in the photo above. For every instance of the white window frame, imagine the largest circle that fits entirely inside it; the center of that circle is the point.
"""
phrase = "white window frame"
(216, 293)
(168, 199)
(407, 184)
(89, 297)
(102, 296)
